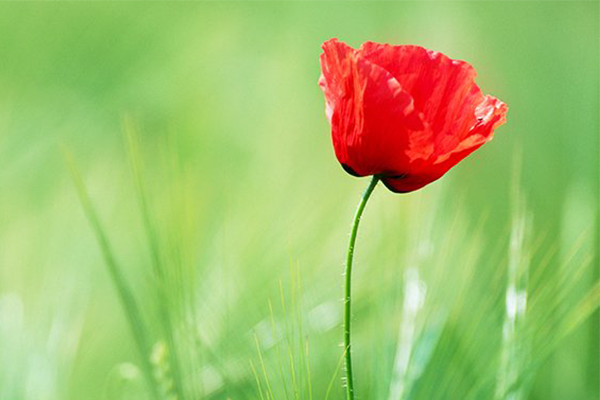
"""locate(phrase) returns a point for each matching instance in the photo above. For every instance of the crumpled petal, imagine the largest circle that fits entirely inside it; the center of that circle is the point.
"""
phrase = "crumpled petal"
(491, 113)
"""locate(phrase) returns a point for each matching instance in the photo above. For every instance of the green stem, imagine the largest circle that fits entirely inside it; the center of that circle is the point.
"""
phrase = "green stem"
(348, 287)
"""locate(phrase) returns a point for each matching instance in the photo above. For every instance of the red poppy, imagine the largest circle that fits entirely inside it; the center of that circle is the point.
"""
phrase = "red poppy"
(404, 113)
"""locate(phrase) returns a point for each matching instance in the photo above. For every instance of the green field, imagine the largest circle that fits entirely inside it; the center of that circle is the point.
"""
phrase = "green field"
(199, 133)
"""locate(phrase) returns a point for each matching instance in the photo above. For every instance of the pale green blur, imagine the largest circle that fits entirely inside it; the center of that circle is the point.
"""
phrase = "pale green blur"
(245, 192)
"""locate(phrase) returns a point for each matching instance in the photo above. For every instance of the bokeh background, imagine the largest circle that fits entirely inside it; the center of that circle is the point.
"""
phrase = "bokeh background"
(249, 206)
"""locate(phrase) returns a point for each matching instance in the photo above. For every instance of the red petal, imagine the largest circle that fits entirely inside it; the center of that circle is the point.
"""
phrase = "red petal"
(490, 114)
(443, 89)
(372, 117)
(408, 183)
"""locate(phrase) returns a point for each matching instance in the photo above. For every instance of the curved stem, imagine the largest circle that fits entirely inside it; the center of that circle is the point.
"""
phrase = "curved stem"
(348, 287)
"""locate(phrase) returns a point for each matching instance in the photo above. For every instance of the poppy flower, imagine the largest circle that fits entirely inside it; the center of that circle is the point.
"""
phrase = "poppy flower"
(403, 113)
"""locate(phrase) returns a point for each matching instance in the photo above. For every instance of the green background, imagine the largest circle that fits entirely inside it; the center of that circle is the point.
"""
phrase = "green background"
(241, 175)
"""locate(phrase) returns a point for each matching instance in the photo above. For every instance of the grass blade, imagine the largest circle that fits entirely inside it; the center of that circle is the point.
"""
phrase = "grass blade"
(132, 311)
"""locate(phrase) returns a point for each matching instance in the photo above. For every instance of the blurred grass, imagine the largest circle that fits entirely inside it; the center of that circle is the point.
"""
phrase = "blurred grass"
(240, 181)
